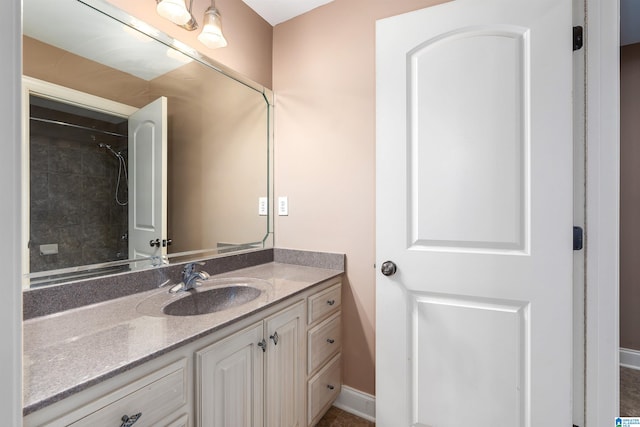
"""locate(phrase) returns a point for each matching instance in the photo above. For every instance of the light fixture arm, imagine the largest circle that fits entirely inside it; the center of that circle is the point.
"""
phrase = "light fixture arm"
(192, 24)
(177, 12)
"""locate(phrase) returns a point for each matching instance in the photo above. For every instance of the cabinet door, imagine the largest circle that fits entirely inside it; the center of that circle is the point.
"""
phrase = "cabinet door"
(230, 381)
(284, 374)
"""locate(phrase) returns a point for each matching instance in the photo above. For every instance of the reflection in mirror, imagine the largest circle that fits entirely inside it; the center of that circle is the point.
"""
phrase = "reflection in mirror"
(86, 193)
(79, 184)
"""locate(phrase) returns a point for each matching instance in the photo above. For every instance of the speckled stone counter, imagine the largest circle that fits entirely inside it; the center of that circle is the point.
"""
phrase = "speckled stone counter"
(66, 352)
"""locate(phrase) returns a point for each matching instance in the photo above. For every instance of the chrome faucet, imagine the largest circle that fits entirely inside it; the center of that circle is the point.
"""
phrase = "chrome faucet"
(190, 277)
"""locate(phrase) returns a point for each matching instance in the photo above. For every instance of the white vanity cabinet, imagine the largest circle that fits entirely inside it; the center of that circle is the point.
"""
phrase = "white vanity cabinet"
(284, 368)
(229, 380)
(278, 367)
(158, 398)
(324, 341)
(254, 375)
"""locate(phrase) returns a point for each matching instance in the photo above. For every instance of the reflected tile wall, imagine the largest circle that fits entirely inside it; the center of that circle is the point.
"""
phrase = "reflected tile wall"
(73, 184)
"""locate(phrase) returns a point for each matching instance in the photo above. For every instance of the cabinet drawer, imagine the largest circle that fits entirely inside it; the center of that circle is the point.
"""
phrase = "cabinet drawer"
(323, 389)
(155, 400)
(323, 342)
(324, 302)
(183, 421)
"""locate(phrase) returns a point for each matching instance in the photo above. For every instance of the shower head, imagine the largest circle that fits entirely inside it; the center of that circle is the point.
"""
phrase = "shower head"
(108, 147)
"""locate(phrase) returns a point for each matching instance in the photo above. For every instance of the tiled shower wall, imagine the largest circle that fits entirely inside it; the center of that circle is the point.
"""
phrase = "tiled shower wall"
(73, 184)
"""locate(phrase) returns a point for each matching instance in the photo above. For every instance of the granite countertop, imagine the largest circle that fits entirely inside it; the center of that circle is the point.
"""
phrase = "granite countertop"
(66, 352)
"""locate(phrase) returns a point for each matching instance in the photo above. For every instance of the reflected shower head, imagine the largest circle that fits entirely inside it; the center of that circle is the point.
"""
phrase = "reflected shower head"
(108, 147)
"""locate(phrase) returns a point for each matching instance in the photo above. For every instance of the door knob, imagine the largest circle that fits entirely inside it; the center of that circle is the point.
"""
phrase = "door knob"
(388, 268)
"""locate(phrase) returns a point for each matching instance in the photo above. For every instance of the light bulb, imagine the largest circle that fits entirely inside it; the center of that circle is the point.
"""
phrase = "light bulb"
(211, 35)
(173, 10)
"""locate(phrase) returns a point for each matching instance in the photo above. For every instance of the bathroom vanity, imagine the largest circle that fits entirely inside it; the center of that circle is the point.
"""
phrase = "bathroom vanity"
(272, 361)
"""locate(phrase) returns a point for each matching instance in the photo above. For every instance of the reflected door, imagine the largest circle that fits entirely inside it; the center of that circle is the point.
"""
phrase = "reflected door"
(474, 206)
(148, 180)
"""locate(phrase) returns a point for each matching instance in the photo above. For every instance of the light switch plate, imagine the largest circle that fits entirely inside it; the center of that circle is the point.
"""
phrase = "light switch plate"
(283, 206)
(263, 209)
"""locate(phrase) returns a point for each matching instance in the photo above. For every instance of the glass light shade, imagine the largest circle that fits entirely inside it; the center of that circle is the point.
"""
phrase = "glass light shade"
(211, 35)
(173, 10)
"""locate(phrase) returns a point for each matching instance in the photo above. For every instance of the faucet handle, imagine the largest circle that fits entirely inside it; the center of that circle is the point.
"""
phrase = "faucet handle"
(165, 283)
(191, 266)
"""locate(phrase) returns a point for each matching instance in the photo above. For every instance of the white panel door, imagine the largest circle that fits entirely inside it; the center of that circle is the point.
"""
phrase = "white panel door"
(284, 368)
(474, 206)
(230, 381)
(148, 179)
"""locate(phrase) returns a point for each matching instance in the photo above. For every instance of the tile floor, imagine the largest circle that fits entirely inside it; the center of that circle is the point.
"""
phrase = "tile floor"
(629, 392)
(338, 418)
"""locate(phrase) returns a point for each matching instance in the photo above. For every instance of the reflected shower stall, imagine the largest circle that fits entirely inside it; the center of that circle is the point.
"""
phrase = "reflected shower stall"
(78, 186)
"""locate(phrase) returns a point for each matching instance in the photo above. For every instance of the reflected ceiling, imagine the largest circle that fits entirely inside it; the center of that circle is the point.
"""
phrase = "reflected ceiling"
(81, 39)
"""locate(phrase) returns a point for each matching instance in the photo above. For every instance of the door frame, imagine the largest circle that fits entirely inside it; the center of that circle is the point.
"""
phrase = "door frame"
(65, 95)
(602, 211)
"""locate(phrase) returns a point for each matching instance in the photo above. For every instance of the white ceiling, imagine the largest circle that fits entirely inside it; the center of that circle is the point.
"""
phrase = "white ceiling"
(277, 11)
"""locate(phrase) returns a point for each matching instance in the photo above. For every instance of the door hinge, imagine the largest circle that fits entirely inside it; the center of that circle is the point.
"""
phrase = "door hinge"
(577, 238)
(578, 39)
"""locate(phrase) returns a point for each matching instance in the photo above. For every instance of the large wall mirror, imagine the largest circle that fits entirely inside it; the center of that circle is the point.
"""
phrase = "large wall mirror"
(138, 151)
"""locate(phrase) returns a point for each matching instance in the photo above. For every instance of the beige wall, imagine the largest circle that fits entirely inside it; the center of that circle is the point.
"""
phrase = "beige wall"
(249, 36)
(324, 81)
(217, 158)
(630, 196)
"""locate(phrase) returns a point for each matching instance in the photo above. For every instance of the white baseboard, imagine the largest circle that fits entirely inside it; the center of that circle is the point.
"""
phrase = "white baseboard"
(357, 403)
(630, 358)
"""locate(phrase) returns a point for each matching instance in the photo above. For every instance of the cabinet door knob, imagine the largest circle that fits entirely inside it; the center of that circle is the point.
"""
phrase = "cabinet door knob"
(330, 387)
(263, 345)
(275, 338)
(331, 302)
(128, 421)
(330, 341)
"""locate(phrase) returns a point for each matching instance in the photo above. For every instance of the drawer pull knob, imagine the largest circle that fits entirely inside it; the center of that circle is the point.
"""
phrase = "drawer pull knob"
(331, 302)
(275, 338)
(128, 421)
(330, 341)
(330, 387)
(263, 345)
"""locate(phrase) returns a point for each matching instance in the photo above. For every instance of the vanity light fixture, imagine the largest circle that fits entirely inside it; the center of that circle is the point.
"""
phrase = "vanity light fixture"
(211, 35)
(176, 11)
